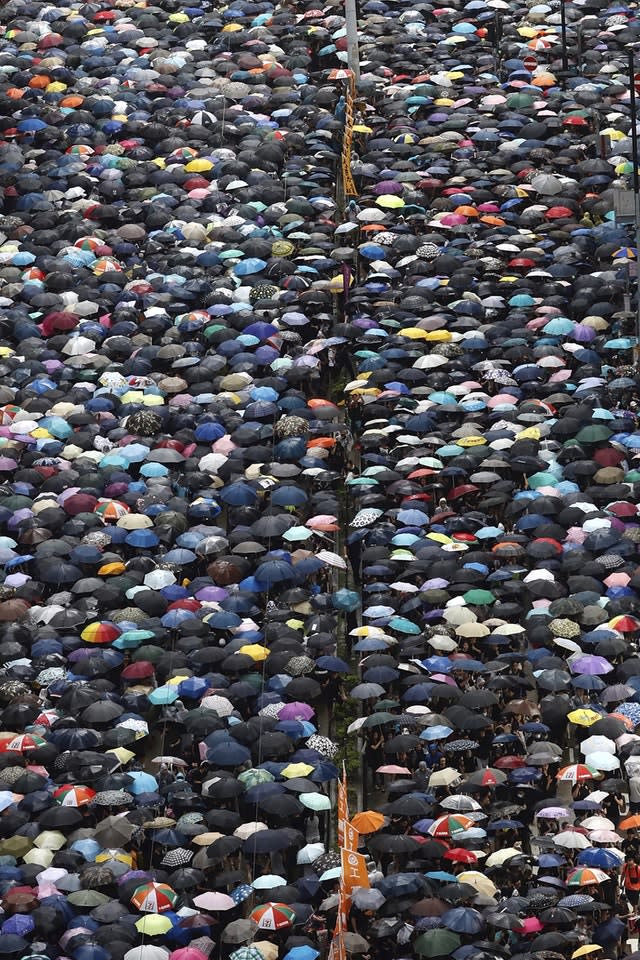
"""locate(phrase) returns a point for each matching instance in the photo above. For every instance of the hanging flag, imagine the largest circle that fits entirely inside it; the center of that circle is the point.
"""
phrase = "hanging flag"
(354, 871)
(343, 807)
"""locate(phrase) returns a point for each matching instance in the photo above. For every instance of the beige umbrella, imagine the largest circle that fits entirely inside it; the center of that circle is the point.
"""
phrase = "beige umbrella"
(135, 521)
(472, 629)
(501, 856)
(445, 777)
(479, 882)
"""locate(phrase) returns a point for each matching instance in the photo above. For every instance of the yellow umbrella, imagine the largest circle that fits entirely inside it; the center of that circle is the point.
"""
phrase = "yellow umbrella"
(108, 856)
(583, 717)
(587, 949)
(336, 284)
(177, 680)
(613, 134)
(390, 201)
(439, 336)
(153, 924)
(146, 399)
(111, 569)
(255, 650)
(413, 333)
(479, 882)
(198, 165)
(297, 770)
(472, 441)
(123, 755)
(438, 537)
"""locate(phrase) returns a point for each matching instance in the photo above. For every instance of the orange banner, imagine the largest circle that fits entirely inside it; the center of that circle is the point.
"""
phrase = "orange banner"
(351, 838)
(354, 871)
(337, 950)
(343, 807)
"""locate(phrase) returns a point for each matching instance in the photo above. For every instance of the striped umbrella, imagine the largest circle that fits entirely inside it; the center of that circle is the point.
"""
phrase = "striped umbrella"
(586, 876)
(154, 897)
(273, 916)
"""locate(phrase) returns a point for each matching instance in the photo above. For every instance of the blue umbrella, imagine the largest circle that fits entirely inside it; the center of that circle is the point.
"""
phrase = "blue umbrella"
(228, 754)
(598, 857)
(332, 664)
(142, 782)
(175, 617)
(463, 920)
(288, 496)
(142, 538)
(249, 266)
(275, 571)
(238, 495)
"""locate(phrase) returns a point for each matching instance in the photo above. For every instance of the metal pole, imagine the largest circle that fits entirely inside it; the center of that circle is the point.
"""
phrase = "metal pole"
(353, 49)
(563, 30)
(636, 180)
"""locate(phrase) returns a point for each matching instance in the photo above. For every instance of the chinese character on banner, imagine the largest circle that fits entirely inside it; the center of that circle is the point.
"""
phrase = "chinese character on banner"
(351, 838)
(343, 806)
(354, 871)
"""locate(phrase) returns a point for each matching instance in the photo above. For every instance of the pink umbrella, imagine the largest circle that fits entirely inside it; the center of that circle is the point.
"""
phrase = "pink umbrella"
(452, 220)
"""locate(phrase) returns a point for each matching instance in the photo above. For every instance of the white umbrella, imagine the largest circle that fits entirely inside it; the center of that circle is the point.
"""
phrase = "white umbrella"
(602, 761)
(572, 840)
(598, 823)
(246, 830)
(310, 852)
(605, 836)
(597, 744)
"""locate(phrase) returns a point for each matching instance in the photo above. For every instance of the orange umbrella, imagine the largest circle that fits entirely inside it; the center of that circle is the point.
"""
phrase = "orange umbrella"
(327, 443)
(367, 821)
(630, 823)
(467, 211)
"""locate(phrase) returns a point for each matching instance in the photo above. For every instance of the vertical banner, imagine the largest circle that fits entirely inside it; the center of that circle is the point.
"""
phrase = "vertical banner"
(354, 871)
(351, 838)
(343, 806)
(347, 178)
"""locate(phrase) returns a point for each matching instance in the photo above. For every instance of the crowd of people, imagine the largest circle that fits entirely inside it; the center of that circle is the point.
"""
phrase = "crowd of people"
(304, 479)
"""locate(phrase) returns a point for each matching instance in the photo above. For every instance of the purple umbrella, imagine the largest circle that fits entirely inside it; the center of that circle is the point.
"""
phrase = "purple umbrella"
(296, 711)
(591, 665)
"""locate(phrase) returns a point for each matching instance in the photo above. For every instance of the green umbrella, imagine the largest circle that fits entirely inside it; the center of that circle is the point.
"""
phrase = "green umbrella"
(150, 651)
(542, 479)
(88, 898)
(594, 433)
(315, 801)
(518, 101)
(478, 597)
(15, 846)
(436, 943)
(254, 776)
(378, 719)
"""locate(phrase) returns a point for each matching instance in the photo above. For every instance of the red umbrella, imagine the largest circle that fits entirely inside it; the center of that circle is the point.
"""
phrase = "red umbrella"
(509, 763)
(459, 855)
(462, 490)
(558, 213)
(138, 670)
